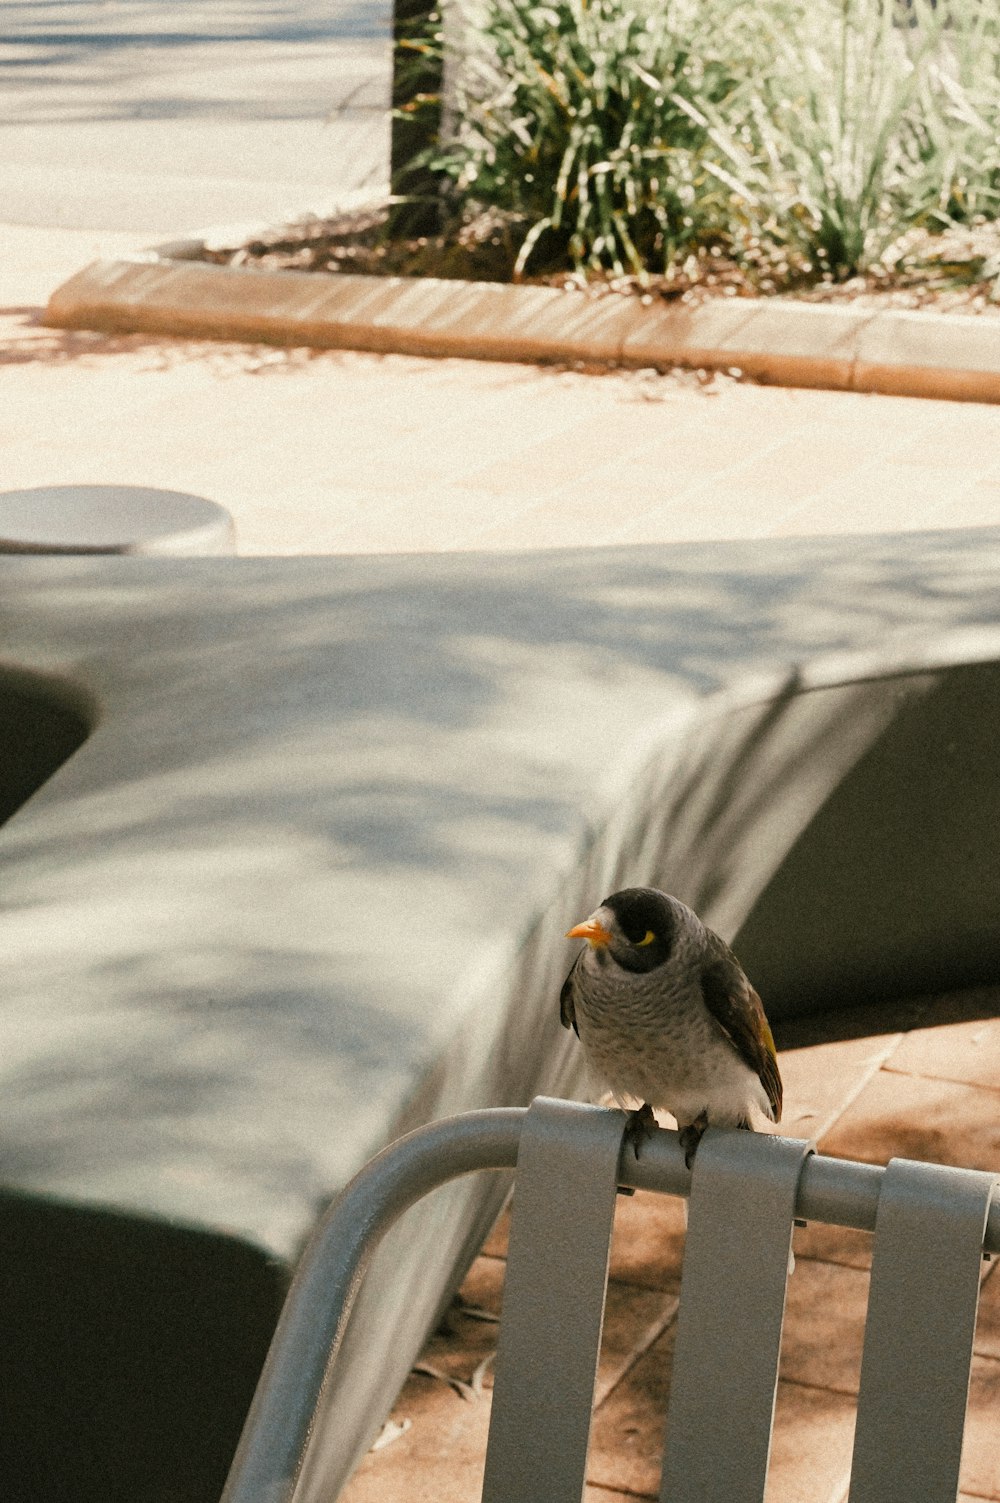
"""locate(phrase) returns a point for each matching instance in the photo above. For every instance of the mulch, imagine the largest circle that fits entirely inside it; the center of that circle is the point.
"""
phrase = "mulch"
(953, 271)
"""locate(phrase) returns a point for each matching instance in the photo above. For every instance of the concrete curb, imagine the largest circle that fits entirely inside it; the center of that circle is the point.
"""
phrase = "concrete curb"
(897, 352)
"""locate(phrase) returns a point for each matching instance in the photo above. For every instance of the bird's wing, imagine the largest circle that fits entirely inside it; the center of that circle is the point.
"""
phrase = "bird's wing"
(738, 1010)
(567, 1009)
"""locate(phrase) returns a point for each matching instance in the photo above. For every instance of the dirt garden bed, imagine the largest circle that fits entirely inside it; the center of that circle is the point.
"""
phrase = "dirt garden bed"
(956, 271)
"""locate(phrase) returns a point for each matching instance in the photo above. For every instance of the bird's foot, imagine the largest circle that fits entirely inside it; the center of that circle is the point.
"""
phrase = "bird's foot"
(641, 1124)
(691, 1136)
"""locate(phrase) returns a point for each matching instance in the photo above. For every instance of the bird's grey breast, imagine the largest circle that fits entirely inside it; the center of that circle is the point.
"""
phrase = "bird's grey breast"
(637, 1026)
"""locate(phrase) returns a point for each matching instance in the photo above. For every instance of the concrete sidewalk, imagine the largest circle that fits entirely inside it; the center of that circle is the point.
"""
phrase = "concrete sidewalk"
(146, 117)
(317, 452)
(132, 122)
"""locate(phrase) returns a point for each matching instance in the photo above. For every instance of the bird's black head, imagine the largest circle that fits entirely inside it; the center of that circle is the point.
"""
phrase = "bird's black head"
(646, 922)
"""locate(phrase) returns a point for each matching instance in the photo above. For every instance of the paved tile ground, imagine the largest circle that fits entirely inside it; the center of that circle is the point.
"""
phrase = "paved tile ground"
(347, 452)
(920, 1087)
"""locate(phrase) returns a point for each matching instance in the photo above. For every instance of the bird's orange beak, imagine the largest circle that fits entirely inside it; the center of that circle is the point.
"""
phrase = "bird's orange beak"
(591, 930)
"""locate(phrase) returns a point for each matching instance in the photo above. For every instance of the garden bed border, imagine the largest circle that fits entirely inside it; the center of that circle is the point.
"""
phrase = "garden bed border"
(901, 352)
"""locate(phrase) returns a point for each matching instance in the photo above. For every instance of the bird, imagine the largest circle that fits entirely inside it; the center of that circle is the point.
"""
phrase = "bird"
(668, 1019)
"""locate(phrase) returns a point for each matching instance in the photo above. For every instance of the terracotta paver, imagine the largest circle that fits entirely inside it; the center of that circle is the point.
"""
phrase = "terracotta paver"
(810, 1454)
(966, 1050)
(634, 1319)
(825, 1326)
(811, 1450)
(439, 1455)
(626, 1443)
(988, 1324)
(981, 1453)
(821, 1081)
(913, 1117)
(833, 1244)
(649, 1241)
(441, 1429)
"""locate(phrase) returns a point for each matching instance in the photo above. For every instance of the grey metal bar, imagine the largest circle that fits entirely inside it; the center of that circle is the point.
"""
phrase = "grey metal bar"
(921, 1321)
(311, 1327)
(839, 1192)
(309, 1333)
(732, 1305)
(553, 1306)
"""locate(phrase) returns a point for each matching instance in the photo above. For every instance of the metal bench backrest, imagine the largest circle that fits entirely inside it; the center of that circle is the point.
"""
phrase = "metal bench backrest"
(931, 1224)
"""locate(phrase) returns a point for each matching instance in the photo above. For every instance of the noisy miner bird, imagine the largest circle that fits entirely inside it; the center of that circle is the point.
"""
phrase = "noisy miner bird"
(668, 1019)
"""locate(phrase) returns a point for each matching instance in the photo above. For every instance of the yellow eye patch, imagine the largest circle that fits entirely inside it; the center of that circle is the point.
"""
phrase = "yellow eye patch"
(650, 936)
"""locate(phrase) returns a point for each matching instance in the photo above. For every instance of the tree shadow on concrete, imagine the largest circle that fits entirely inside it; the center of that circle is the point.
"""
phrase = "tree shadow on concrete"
(321, 796)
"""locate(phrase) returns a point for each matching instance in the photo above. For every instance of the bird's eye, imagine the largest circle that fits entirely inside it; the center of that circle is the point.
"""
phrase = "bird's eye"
(648, 940)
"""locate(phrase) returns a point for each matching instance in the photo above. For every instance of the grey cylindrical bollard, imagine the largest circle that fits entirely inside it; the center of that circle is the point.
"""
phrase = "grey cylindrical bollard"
(112, 519)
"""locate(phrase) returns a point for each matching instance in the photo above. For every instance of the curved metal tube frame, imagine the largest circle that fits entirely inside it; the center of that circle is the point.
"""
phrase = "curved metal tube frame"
(312, 1324)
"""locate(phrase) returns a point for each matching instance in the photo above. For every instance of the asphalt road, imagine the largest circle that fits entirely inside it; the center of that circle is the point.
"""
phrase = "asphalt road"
(165, 118)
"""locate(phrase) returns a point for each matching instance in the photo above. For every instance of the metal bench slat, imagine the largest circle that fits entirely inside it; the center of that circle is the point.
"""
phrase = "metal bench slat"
(553, 1304)
(732, 1306)
(922, 1303)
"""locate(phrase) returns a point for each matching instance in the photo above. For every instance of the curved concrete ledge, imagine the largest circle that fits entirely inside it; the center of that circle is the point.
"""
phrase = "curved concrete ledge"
(838, 828)
(799, 344)
(306, 883)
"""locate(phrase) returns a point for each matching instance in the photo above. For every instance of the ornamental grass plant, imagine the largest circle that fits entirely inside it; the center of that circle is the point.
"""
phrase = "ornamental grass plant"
(874, 119)
(802, 138)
